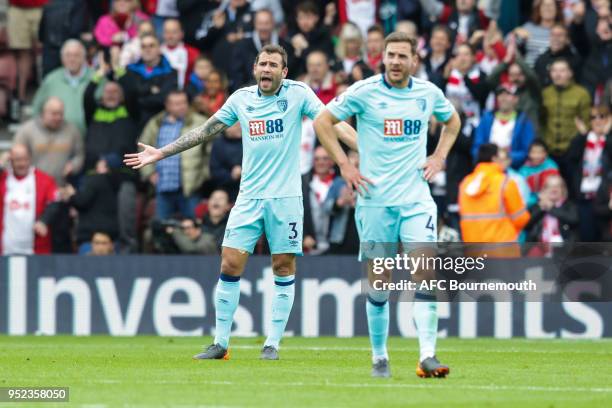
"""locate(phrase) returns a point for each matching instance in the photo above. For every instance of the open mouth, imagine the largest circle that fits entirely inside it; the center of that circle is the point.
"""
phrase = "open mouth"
(266, 81)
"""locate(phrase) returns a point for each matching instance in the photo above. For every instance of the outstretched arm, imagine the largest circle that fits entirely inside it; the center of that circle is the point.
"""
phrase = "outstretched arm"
(194, 137)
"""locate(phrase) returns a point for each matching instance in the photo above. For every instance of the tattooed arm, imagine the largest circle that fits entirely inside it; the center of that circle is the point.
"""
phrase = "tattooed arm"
(194, 137)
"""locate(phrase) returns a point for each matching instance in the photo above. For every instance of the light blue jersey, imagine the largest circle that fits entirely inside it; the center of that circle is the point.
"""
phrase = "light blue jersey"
(271, 135)
(392, 127)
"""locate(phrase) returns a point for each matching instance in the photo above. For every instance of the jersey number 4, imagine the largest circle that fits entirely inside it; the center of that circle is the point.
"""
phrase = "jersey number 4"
(430, 225)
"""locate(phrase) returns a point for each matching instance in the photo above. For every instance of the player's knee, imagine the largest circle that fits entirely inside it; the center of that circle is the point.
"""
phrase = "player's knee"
(283, 266)
(230, 266)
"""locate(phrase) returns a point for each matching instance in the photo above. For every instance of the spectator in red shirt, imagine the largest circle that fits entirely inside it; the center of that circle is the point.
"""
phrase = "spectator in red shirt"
(181, 56)
(375, 44)
(27, 206)
(319, 76)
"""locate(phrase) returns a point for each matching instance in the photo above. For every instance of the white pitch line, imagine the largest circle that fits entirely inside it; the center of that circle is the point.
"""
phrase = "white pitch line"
(441, 349)
(392, 349)
(347, 348)
(173, 405)
(436, 385)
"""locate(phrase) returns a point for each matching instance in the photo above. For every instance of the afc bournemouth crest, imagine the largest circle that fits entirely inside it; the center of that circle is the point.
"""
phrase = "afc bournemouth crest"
(422, 104)
(282, 105)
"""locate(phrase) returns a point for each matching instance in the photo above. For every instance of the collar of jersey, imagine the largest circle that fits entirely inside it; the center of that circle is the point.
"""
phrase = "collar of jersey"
(280, 88)
(389, 86)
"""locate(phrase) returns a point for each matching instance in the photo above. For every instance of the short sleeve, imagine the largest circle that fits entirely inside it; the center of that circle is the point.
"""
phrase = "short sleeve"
(227, 113)
(312, 104)
(443, 108)
(345, 105)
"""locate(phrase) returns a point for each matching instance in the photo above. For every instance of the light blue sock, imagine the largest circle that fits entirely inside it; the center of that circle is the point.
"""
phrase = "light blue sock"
(426, 322)
(227, 296)
(284, 292)
(377, 310)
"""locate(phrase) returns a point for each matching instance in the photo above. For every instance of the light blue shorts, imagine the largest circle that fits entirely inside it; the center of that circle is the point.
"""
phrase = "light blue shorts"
(281, 219)
(381, 228)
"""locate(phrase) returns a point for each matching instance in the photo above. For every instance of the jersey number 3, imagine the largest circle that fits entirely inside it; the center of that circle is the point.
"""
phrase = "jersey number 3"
(294, 233)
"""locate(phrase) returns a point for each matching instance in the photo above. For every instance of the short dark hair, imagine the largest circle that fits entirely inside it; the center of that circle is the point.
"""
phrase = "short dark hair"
(176, 91)
(222, 77)
(376, 28)
(399, 37)
(486, 153)
(196, 222)
(564, 61)
(273, 49)
(443, 29)
(468, 46)
(539, 143)
(320, 52)
(561, 26)
(308, 7)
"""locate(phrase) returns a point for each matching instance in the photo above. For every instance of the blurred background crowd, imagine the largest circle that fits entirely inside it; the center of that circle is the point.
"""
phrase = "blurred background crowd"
(82, 81)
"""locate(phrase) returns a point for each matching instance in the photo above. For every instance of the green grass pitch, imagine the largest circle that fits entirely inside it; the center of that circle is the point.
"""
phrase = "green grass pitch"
(313, 372)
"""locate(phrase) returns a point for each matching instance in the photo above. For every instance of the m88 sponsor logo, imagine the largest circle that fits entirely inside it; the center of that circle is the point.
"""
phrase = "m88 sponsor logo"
(265, 127)
(398, 128)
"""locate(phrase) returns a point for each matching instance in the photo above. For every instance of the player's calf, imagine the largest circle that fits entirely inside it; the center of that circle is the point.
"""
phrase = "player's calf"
(282, 303)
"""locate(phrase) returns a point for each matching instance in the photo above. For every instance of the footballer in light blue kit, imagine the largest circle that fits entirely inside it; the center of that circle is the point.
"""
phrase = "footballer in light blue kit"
(270, 198)
(395, 205)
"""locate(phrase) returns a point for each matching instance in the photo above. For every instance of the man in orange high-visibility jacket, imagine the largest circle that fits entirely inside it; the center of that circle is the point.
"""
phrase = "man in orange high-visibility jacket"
(490, 205)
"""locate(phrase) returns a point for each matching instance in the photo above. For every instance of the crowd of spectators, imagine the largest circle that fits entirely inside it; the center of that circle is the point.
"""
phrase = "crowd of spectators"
(86, 80)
